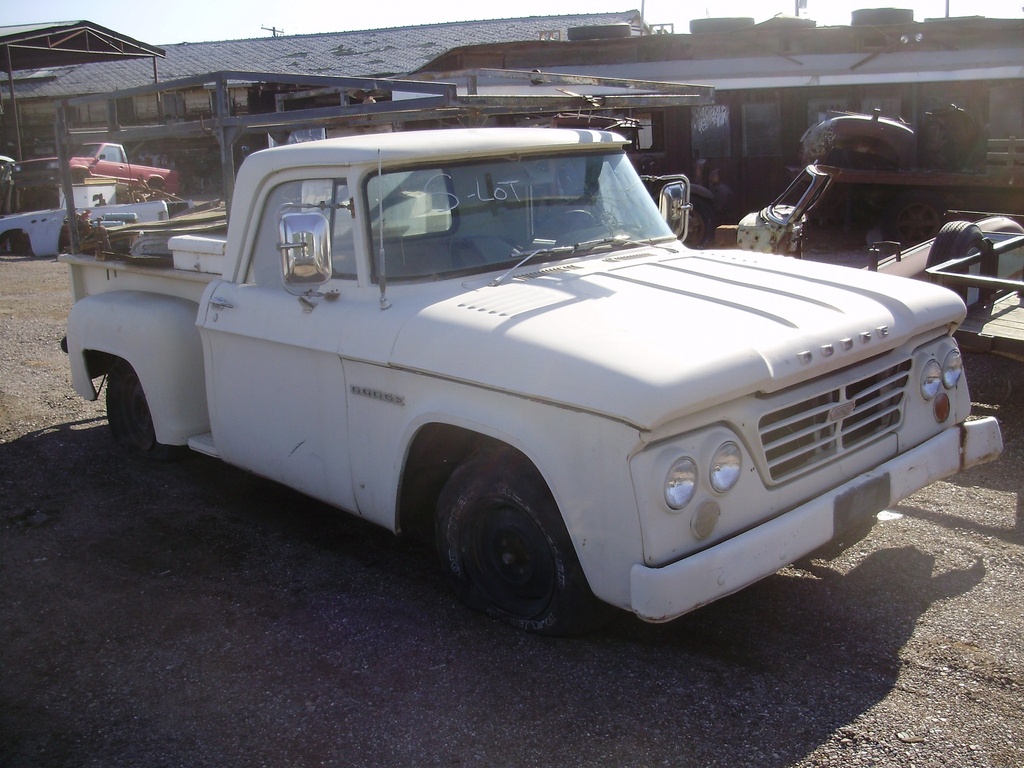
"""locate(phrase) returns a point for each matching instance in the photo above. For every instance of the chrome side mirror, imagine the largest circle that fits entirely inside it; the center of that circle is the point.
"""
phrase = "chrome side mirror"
(305, 249)
(674, 204)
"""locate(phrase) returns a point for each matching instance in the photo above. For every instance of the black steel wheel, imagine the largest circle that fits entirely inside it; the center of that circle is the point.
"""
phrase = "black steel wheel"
(128, 415)
(506, 551)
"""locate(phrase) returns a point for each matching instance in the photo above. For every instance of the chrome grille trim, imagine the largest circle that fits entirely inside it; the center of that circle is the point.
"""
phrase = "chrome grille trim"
(804, 435)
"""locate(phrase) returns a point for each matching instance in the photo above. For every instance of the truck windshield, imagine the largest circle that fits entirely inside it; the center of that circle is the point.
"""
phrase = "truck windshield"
(433, 222)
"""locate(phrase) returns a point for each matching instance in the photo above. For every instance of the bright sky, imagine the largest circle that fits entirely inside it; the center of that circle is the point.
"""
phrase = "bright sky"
(201, 20)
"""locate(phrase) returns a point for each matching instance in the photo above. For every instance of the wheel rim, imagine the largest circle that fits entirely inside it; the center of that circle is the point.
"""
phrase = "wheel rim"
(510, 560)
(918, 222)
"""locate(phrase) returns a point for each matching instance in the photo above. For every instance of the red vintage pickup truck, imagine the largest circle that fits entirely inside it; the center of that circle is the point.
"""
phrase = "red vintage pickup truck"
(107, 161)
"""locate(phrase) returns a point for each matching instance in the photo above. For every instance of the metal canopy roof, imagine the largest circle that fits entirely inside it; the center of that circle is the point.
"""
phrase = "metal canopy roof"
(61, 44)
(64, 43)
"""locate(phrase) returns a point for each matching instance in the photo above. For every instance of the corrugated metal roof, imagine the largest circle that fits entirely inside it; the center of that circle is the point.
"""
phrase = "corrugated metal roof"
(369, 53)
(779, 55)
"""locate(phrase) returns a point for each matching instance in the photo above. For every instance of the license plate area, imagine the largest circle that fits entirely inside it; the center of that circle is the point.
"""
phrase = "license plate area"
(859, 506)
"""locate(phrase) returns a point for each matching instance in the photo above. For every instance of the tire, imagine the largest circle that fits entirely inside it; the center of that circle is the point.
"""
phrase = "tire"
(129, 417)
(957, 238)
(506, 551)
(915, 217)
(702, 224)
(881, 17)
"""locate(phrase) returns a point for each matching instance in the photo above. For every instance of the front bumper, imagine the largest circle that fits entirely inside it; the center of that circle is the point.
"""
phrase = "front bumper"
(665, 593)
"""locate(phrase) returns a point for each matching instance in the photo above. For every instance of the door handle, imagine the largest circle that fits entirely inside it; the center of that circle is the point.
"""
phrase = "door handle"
(221, 303)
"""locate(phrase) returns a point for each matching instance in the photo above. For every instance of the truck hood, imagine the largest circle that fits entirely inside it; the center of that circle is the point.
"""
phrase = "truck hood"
(645, 337)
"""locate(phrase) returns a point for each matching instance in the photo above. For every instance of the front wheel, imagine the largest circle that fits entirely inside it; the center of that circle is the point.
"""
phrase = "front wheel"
(130, 420)
(506, 551)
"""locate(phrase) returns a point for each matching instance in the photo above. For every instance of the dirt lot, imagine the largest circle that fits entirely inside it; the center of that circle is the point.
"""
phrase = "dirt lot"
(192, 615)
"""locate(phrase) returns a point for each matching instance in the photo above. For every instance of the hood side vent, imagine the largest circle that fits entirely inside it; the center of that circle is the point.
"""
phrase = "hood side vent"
(547, 271)
(626, 257)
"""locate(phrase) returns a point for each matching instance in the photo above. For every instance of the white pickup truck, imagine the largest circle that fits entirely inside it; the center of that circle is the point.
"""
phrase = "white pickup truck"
(491, 337)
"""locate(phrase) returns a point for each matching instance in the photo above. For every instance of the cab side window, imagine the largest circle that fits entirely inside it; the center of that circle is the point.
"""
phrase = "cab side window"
(328, 197)
(112, 154)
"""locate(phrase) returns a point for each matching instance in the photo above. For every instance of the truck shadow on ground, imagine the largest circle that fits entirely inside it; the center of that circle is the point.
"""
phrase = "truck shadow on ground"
(953, 522)
(192, 613)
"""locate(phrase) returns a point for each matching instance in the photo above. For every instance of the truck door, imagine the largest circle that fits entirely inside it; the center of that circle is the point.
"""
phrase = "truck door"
(111, 161)
(275, 382)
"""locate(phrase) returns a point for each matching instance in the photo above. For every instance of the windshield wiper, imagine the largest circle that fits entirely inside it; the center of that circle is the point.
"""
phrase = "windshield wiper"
(551, 250)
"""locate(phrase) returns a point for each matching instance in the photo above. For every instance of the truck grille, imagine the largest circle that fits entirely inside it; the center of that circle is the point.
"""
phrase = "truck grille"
(823, 427)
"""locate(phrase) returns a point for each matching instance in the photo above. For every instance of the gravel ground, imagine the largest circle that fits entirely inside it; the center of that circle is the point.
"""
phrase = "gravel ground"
(192, 615)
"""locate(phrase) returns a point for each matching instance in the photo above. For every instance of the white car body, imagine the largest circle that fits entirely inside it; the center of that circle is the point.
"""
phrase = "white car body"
(43, 228)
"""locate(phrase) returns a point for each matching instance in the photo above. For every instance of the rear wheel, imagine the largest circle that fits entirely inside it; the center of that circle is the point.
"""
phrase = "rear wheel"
(505, 548)
(128, 414)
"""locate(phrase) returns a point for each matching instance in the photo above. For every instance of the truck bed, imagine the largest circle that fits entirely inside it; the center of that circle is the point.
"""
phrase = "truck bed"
(196, 261)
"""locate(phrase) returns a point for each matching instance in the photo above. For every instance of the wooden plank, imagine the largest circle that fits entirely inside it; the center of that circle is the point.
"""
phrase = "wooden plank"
(997, 328)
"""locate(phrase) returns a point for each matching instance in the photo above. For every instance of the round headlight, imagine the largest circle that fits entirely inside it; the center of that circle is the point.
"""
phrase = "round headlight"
(681, 483)
(931, 379)
(725, 466)
(952, 369)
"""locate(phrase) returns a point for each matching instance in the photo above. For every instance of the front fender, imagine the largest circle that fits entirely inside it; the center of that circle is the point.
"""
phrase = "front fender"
(157, 336)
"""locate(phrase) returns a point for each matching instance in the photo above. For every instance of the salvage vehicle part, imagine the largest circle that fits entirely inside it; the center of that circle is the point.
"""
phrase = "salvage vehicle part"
(779, 227)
